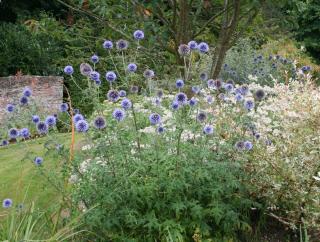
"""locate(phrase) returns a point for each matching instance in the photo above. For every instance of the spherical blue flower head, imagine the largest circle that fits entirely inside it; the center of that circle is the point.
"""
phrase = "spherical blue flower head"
(277, 57)
(193, 45)
(51, 121)
(97, 82)
(160, 129)
(257, 135)
(113, 96)
(249, 104)
(306, 68)
(68, 70)
(175, 105)
(193, 102)
(148, 74)
(24, 100)
(248, 145)
(85, 69)
(134, 89)
(285, 61)
(132, 67)
(94, 75)
(230, 81)
(25, 133)
(95, 59)
(155, 118)
(203, 47)
(42, 128)
(126, 104)
(270, 57)
(157, 101)
(244, 90)
(240, 145)
(138, 34)
(238, 90)
(77, 117)
(222, 97)
(75, 111)
(13, 133)
(107, 44)
(119, 114)
(10, 108)
(4, 142)
(208, 129)
(122, 93)
(203, 76)
(195, 89)
(7, 203)
(111, 76)
(259, 94)
(202, 116)
(238, 97)
(211, 83)
(27, 92)
(179, 83)
(184, 50)
(181, 98)
(82, 126)
(209, 99)
(159, 93)
(217, 84)
(38, 161)
(228, 87)
(64, 107)
(268, 142)
(99, 123)
(122, 45)
(225, 66)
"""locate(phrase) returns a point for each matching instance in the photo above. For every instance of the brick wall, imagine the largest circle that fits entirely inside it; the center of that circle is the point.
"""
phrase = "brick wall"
(47, 90)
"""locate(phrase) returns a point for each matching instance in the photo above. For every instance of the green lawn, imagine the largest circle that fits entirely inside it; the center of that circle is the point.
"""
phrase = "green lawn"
(20, 178)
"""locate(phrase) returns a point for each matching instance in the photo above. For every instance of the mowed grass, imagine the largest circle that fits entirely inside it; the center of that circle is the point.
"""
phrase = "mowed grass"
(20, 178)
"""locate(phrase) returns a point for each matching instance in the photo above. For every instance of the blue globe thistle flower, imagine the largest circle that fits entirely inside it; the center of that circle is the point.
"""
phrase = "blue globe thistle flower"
(203, 47)
(10, 108)
(97, 82)
(175, 105)
(51, 120)
(159, 93)
(248, 145)
(244, 90)
(107, 44)
(222, 97)
(148, 74)
(24, 100)
(259, 94)
(95, 59)
(7, 203)
(94, 75)
(157, 101)
(217, 84)
(99, 123)
(119, 114)
(237, 90)
(184, 50)
(277, 57)
(181, 98)
(211, 83)
(240, 145)
(134, 89)
(202, 116)
(249, 104)
(25, 133)
(228, 87)
(238, 97)
(193, 102)
(285, 61)
(13, 133)
(85, 69)
(126, 104)
(270, 57)
(122, 93)
(68, 70)
(82, 126)
(38, 161)
(4, 142)
(42, 128)
(155, 118)
(75, 111)
(230, 81)
(179, 83)
(113, 96)
(77, 117)
(203, 76)
(209, 99)
(132, 67)
(64, 107)
(306, 68)
(195, 89)
(160, 129)
(208, 129)
(27, 92)
(122, 45)
(268, 142)
(138, 34)
(193, 45)
(111, 76)
(257, 135)
(225, 66)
